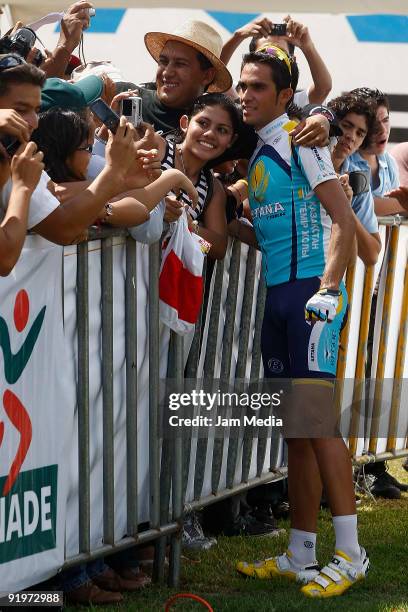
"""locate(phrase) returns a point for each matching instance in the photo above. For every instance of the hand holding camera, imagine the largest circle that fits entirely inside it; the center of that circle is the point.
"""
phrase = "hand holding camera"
(120, 150)
(74, 22)
(297, 34)
(21, 40)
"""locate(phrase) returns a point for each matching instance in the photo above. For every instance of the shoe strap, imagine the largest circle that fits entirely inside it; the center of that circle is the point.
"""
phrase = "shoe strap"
(333, 574)
(283, 562)
(321, 581)
(339, 569)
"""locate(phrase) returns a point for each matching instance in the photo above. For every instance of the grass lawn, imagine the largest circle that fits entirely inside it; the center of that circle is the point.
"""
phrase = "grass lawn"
(383, 532)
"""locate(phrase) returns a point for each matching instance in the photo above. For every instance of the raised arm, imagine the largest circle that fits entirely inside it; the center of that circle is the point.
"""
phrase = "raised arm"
(67, 223)
(75, 20)
(298, 34)
(26, 168)
(259, 28)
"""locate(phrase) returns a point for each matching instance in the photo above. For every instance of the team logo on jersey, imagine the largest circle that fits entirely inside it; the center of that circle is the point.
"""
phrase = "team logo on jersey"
(259, 182)
(269, 210)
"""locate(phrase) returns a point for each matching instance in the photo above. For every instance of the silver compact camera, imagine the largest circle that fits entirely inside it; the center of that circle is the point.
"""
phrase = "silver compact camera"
(91, 12)
(131, 108)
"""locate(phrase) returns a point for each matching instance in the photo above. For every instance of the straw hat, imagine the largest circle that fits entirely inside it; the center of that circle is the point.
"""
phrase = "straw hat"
(200, 36)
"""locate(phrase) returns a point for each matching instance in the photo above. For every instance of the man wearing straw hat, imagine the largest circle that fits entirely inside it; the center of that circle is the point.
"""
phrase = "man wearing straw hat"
(188, 65)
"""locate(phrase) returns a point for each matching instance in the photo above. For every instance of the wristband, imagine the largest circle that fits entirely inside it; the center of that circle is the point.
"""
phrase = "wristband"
(312, 109)
(333, 292)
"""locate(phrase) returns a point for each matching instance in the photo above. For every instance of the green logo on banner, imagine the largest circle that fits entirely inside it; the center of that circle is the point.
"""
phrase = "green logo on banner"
(28, 514)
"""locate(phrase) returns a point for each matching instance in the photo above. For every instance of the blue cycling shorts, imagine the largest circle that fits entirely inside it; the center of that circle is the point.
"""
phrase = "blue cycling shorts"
(291, 348)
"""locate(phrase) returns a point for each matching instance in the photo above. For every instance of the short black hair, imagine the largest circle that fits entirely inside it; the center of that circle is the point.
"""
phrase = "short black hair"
(59, 134)
(379, 97)
(352, 102)
(213, 99)
(22, 74)
(218, 99)
(282, 77)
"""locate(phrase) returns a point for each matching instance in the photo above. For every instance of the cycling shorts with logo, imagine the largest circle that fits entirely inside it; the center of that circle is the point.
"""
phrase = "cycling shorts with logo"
(291, 347)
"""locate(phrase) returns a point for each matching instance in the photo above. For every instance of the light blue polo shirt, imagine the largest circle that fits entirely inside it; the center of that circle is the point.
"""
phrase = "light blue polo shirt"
(362, 204)
(388, 173)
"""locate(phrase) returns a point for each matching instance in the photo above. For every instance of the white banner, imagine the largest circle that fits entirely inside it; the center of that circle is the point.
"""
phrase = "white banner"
(36, 416)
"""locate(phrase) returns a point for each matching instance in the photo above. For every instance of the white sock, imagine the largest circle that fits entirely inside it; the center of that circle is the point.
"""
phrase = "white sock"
(302, 545)
(345, 528)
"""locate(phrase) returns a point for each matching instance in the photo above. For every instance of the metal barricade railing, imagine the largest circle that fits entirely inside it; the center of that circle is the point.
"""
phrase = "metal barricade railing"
(245, 462)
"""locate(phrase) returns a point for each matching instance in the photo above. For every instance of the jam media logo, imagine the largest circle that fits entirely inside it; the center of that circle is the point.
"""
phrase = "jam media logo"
(27, 499)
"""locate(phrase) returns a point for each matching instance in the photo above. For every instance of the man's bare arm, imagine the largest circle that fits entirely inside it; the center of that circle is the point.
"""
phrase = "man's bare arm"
(389, 206)
(334, 200)
(298, 35)
(75, 20)
(259, 28)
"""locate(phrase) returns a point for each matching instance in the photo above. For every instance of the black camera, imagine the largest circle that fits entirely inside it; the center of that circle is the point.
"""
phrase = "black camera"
(279, 29)
(359, 181)
(21, 42)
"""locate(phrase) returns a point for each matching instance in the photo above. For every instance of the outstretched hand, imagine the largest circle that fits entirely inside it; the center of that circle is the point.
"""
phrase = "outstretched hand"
(401, 194)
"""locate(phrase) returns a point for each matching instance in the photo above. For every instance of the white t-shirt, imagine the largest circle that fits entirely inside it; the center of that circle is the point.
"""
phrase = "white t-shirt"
(42, 202)
(301, 98)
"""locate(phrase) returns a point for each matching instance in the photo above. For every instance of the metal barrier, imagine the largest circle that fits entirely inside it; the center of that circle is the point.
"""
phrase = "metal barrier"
(226, 344)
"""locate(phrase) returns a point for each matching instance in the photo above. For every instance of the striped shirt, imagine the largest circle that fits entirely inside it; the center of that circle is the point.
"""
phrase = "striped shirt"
(201, 185)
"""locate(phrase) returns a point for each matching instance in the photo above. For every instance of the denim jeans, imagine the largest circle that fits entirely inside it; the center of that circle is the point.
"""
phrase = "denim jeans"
(76, 577)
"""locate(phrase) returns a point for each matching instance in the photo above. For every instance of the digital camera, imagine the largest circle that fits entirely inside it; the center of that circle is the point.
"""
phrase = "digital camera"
(131, 108)
(279, 29)
(21, 42)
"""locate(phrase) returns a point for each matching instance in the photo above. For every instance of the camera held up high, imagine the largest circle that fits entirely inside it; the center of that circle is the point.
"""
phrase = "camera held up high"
(21, 42)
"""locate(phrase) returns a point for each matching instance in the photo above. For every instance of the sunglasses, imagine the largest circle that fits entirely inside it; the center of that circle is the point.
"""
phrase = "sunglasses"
(88, 148)
(278, 53)
(11, 61)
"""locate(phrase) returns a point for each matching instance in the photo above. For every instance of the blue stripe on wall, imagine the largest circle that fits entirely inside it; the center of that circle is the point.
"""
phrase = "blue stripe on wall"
(232, 21)
(106, 21)
(380, 28)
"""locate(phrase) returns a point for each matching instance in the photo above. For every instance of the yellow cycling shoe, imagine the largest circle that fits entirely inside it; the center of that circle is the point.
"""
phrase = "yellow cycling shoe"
(338, 576)
(278, 566)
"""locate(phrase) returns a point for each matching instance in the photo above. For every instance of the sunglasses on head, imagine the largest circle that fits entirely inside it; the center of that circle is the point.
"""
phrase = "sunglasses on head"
(278, 53)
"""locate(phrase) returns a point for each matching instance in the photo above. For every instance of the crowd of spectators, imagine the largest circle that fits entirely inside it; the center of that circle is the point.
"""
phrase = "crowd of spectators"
(62, 170)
